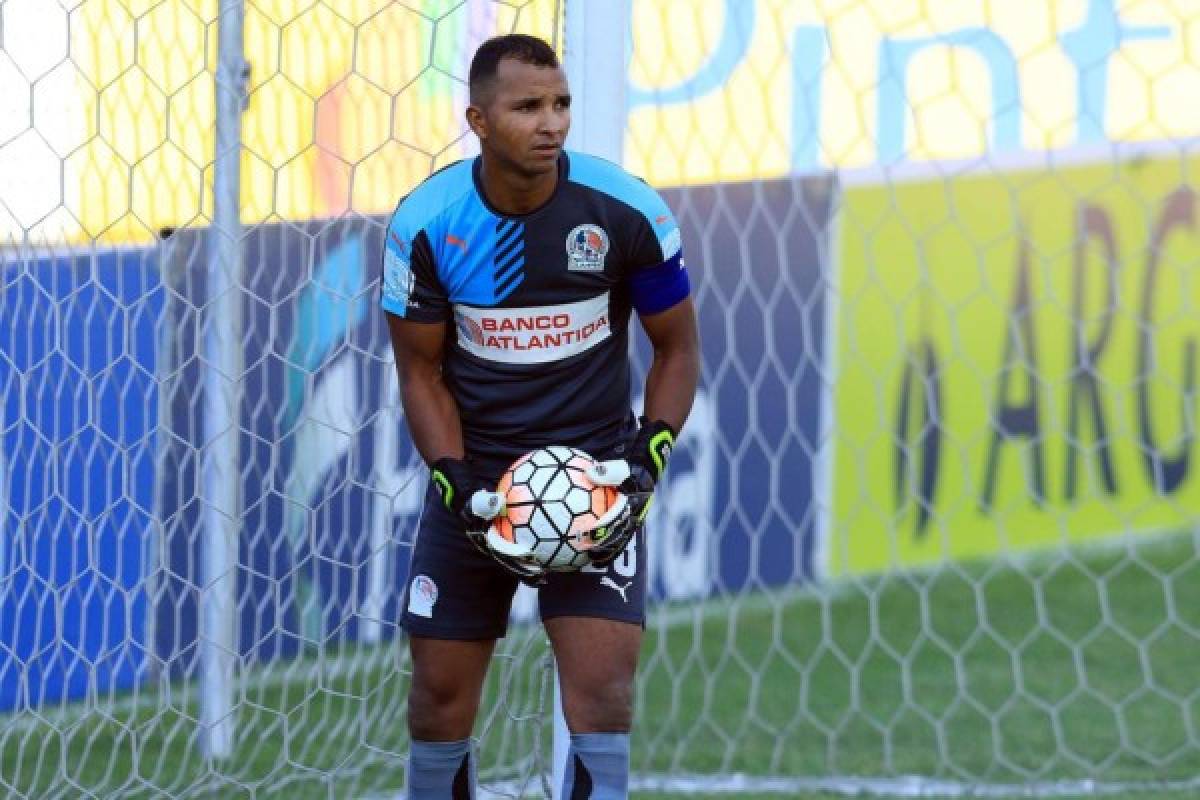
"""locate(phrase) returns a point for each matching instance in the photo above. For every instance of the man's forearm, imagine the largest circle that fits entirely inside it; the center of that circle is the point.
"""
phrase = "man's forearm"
(671, 387)
(432, 417)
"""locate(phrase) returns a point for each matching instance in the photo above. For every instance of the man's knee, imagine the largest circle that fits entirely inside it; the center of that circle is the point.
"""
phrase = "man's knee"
(600, 707)
(440, 709)
(597, 661)
(447, 680)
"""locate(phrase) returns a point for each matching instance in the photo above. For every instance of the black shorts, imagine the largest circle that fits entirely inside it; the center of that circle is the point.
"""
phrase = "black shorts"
(456, 592)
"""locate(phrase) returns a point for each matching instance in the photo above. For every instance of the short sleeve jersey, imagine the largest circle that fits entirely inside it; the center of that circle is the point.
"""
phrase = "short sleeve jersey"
(540, 303)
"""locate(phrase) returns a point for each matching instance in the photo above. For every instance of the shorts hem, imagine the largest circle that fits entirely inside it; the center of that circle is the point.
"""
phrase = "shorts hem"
(597, 613)
(453, 634)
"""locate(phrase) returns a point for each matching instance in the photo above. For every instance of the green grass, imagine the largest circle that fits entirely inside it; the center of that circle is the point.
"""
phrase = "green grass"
(1079, 667)
(1140, 794)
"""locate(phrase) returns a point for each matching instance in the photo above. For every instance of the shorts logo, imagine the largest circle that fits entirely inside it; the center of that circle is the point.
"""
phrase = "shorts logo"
(422, 594)
(616, 587)
(586, 247)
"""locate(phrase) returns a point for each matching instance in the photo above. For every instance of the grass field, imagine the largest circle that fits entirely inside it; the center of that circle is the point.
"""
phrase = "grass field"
(1074, 668)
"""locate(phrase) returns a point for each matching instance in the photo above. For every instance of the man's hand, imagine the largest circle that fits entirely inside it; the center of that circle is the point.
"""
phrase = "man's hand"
(476, 506)
(635, 477)
(467, 497)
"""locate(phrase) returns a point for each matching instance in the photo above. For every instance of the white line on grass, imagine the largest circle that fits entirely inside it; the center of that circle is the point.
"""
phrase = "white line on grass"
(903, 786)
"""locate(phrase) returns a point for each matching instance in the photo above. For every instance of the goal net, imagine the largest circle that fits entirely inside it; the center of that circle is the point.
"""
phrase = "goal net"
(931, 527)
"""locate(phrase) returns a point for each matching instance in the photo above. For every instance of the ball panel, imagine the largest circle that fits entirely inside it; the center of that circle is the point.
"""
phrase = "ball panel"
(578, 500)
(518, 513)
(540, 479)
(519, 494)
(542, 526)
(558, 486)
(560, 516)
(544, 458)
(522, 472)
(561, 454)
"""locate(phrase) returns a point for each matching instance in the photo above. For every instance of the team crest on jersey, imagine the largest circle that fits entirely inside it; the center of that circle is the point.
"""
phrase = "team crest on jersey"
(586, 247)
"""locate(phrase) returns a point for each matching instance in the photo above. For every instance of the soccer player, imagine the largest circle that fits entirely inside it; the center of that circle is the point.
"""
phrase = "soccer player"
(509, 281)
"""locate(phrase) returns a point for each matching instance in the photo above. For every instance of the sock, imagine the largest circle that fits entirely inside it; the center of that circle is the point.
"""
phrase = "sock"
(597, 767)
(440, 770)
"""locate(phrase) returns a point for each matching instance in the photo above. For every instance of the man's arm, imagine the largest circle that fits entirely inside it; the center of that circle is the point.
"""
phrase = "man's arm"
(670, 389)
(429, 408)
(675, 368)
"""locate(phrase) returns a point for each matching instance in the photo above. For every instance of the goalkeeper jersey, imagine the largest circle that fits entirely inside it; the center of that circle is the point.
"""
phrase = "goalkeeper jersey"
(540, 303)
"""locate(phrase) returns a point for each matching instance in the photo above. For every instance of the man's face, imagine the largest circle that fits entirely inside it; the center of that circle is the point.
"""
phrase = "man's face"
(524, 116)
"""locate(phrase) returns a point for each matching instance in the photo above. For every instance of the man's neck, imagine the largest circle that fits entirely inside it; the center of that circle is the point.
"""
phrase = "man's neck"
(513, 193)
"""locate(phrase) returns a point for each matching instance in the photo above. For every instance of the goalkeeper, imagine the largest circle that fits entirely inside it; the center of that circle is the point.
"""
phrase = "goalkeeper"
(509, 282)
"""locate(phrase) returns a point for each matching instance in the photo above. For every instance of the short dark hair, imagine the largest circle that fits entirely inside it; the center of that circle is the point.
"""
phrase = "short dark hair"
(520, 46)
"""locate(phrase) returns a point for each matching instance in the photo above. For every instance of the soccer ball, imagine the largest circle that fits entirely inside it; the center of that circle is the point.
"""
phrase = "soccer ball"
(550, 505)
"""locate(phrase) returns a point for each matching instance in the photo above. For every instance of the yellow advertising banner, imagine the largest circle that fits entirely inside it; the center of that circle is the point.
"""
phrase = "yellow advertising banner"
(106, 109)
(1016, 362)
(725, 90)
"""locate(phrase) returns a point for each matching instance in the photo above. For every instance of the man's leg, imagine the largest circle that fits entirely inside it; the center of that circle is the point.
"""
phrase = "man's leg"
(597, 661)
(447, 683)
(454, 610)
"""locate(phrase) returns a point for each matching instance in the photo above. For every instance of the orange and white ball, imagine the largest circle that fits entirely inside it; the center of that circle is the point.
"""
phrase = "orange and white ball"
(550, 505)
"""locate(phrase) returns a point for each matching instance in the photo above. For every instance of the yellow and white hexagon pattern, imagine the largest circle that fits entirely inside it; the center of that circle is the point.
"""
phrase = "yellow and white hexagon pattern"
(106, 109)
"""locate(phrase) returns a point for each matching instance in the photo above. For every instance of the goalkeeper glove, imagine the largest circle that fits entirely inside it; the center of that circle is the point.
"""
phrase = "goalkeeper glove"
(634, 476)
(476, 506)
(466, 497)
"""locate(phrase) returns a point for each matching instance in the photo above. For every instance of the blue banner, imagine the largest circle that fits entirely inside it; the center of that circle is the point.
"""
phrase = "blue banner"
(737, 510)
(79, 411)
(318, 448)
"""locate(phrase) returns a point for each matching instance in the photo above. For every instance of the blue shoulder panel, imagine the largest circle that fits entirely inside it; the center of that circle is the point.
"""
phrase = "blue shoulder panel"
(605, 176)
(469, 244)
(438, 195)
(438, 192)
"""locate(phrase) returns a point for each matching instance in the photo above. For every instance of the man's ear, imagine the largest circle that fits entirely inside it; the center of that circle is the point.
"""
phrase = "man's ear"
(477, 121)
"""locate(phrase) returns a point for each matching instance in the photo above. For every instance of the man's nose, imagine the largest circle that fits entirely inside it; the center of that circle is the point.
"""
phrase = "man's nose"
(555, 121)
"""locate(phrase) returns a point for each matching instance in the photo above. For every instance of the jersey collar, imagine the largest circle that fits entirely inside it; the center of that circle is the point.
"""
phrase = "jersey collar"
(477, 168)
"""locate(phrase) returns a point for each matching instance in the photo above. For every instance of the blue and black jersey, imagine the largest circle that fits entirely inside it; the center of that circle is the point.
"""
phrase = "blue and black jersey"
(540, 303)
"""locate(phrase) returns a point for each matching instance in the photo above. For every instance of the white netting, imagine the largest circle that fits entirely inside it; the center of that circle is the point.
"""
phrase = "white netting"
(110, 309)
(930, 528)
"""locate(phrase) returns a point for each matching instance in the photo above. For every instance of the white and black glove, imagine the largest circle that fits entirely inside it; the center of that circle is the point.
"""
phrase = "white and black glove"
(634, 476)
(466, 497)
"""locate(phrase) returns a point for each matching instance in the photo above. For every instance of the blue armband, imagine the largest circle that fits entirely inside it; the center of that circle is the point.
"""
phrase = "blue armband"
(658, 288)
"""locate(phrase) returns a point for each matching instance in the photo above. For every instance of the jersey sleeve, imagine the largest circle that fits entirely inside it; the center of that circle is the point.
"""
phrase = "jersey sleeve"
(659, 279)
(410, 286)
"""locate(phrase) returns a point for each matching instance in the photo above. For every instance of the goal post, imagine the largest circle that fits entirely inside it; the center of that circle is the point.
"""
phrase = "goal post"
(596, 36)
(222, 389)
